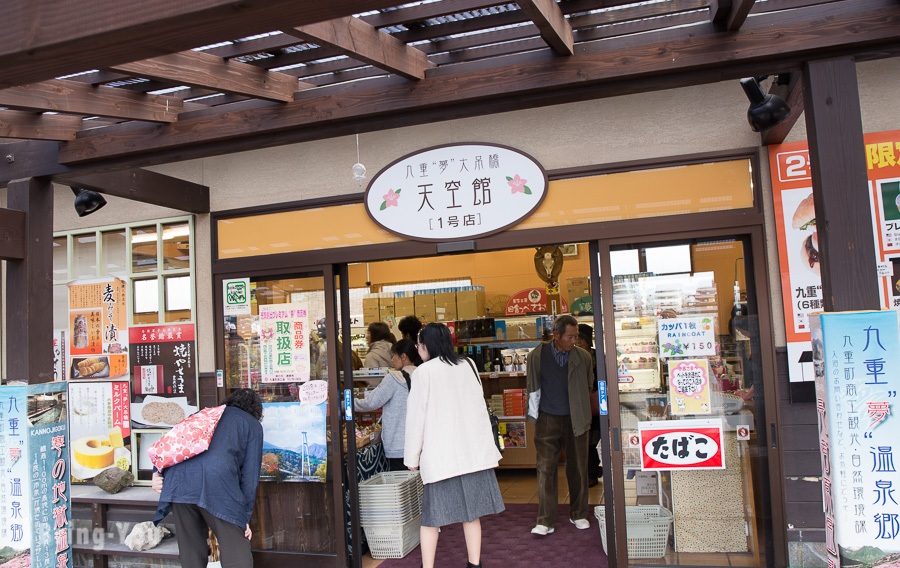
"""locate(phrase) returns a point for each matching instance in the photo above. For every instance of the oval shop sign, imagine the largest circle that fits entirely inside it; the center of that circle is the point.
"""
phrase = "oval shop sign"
(456, 192)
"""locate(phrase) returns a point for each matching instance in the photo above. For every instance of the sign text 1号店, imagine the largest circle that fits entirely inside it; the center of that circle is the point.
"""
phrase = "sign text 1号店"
(855, 357)
(455, 192)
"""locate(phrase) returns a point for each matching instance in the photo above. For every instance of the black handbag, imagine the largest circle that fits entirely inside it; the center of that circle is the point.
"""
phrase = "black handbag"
(495, 422)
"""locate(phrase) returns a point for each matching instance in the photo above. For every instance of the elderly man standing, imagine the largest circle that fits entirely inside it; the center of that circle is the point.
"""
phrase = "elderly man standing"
(559, 380)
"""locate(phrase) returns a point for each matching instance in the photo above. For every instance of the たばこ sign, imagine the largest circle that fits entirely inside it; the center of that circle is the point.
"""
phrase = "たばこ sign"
(681, 444)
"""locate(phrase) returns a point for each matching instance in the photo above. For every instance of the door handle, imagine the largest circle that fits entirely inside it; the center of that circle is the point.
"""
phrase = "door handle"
(616, 440)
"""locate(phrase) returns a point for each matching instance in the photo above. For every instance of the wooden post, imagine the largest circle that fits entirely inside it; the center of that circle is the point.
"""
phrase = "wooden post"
(29, 286)
(840, 185)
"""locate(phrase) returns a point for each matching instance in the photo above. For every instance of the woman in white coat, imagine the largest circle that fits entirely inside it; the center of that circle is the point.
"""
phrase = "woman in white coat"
(449, 440)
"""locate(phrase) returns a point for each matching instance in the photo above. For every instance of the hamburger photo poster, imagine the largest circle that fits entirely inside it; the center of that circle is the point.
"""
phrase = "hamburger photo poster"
(798, 247)
(99, 427)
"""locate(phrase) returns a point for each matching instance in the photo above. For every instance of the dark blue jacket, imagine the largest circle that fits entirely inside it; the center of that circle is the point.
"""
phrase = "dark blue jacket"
(223, 479)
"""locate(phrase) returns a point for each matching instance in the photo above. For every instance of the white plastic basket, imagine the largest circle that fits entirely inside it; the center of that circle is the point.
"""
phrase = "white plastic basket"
(647, 528)
(392, 540)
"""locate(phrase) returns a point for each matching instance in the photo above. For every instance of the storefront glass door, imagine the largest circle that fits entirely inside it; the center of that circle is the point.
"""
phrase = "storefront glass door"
(278, 348)
(690, 404)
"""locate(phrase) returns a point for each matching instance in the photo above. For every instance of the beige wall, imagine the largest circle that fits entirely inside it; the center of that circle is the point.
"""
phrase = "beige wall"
(668, 123)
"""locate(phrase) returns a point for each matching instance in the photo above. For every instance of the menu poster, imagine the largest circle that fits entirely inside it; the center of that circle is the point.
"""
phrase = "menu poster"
(162, 359)
(795, 224)
(34, 518)
(513, 434)
(856, 356)
(689, 387)
(284, 343)
(295, 446)
(98, 329)
(100, 427)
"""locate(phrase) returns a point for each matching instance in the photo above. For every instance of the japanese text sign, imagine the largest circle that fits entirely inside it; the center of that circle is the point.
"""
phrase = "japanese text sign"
(689, 386)
(687, 337)
(284, 343)
(35, 517)
(856, 356)
(457, 191)
(162, 359)
(682, 444)
(98, 329)
(100, 427)
(530, 301)
(798, 241)
(236, 297)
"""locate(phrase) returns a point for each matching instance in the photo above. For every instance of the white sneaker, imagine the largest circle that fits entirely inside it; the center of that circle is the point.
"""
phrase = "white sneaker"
(541, 530)
(580, 524)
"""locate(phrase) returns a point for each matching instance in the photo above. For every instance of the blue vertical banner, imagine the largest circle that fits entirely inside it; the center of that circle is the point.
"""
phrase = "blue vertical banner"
(601, 393)
(856, 357)
(35, 516)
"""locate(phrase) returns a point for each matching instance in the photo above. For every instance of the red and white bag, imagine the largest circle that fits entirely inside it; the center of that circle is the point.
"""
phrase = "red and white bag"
(186, 439)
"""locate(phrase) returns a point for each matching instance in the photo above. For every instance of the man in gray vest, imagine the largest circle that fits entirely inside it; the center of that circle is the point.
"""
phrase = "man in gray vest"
(559, 379)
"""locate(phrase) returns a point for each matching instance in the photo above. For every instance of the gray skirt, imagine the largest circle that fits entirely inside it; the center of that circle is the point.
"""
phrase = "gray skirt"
(461, 499)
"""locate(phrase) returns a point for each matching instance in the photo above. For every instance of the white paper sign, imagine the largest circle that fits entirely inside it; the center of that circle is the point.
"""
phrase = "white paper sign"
(236, 297)
(687, 337)
(457, 191)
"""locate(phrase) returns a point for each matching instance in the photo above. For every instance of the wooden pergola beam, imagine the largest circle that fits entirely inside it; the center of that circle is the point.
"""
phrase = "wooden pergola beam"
(145, 186)
(792, 93)
(767, 41)
(40, 40)
(359, 40)
(730, 14)
(37, 126)
(551, 22)
(73, 97)
(203, 70)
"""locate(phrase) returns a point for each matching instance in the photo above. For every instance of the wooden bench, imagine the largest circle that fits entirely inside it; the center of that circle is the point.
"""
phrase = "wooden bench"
(132, 504)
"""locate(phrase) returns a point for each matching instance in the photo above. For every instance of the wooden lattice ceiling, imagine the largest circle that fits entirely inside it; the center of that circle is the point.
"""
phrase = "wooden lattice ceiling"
(94, 86)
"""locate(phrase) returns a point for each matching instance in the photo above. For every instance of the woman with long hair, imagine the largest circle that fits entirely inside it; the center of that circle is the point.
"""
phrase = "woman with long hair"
(391, 395)
(449, 440)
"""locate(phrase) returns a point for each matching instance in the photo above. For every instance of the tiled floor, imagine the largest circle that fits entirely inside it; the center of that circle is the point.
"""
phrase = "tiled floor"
(520, 486)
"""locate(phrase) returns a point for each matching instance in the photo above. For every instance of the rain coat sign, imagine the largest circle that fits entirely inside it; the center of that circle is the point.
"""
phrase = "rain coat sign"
(456, 192)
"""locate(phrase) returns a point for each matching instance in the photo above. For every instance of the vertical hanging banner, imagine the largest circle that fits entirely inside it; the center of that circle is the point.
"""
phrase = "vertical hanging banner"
(163, 370)
(34, 491)
(60, 359)
(856, 356)
(98, 329)
(284, 343)
(798, 240)
(100, 427)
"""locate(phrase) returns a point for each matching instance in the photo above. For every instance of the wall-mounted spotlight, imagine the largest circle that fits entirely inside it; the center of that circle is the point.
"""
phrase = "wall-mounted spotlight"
(87, 201)
(765, 110)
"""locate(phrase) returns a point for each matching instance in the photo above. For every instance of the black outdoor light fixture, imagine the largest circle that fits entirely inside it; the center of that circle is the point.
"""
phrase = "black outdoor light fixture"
(87, 201)
(765, 110)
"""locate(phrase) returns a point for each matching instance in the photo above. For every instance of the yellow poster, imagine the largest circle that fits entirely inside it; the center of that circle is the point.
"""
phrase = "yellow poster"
(98, 329)
(689, 387)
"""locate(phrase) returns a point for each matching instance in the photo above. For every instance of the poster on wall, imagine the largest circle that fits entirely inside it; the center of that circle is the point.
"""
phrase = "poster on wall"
(98, 329)
(34, 518)
(513, 434)
(236, 297)
(687, 337)
(284, 343)
(689, 387)
(294, 441)
(795, 223)
(163, 374)
(856, 359)
(681, 444)
(99, 427)
(60, 350)
(531, 301)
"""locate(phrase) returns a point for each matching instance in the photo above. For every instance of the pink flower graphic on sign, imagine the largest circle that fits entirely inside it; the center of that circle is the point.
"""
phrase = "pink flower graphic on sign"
(390, 199)
(518, 185)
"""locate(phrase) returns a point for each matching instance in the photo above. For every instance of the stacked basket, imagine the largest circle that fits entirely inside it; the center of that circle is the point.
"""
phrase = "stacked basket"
(390, 508)
(647, 528)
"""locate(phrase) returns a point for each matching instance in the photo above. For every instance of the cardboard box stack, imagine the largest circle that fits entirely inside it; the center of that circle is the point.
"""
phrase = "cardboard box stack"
(445, 305)
(424, 302)
(470, 302)
(404, 304)
(577, 287)
(496, 404)
(370, 309)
